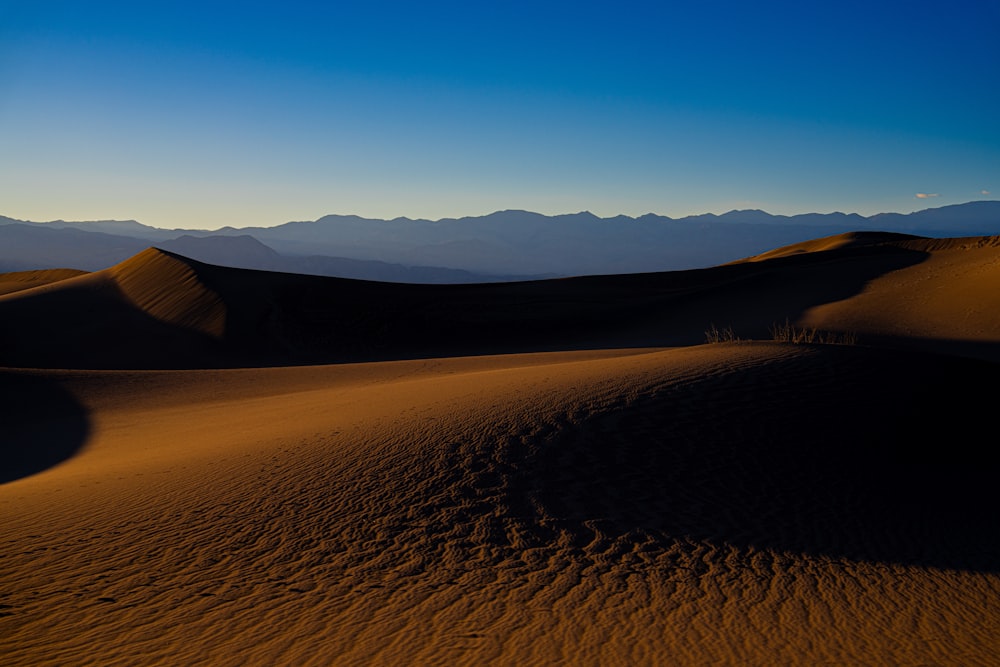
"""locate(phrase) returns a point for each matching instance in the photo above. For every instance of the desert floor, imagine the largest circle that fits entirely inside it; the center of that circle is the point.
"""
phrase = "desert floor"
(718, 504)
(329, 472)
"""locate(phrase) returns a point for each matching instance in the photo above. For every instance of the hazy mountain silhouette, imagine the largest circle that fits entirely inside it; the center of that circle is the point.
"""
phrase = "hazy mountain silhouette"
(25, 247)
(246, 252)
(505, 245)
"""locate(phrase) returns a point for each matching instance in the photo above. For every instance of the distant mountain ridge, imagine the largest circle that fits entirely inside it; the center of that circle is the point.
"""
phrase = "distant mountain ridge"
(505, 245)
(34, 246)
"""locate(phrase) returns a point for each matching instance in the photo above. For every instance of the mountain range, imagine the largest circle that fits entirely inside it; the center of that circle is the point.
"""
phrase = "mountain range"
(502, 246)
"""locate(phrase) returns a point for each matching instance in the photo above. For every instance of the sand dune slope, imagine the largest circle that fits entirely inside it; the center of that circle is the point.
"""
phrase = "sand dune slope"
(835, 242)
(168, 289)
(160, 310)
(22, 280)
(725, 504)
(949, 302)
(145, 312)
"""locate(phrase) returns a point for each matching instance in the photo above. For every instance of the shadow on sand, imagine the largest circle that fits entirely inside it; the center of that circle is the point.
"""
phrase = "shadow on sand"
(42, 425)
(872, 455)
(276, 319)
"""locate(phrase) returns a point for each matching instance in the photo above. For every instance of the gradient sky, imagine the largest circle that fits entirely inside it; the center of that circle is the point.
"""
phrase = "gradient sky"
(207, 114)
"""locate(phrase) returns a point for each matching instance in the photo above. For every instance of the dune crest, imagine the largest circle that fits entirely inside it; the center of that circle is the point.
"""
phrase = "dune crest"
(167, 287)
(835, 242)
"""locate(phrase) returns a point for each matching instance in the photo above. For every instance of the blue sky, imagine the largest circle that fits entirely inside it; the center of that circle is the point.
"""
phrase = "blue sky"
(209, 114)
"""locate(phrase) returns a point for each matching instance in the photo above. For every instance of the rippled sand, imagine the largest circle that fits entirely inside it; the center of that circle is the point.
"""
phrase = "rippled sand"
(752, 503)
(622, 494)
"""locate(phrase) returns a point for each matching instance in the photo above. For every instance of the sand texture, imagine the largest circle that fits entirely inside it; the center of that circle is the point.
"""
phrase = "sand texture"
(631, 496)
(22, 280)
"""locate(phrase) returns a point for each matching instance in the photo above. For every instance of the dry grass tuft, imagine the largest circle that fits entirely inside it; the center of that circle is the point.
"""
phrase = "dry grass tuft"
(785, 332)
(789, 333)
(715, 335)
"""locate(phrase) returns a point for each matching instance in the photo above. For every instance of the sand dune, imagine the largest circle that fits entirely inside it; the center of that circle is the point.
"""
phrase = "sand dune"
(165, 311)
(949, 302)
(662, 503)
(22, 280)
(838, 241)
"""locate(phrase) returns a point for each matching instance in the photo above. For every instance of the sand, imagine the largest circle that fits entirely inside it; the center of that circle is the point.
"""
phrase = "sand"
(22, 280)
(743, 503)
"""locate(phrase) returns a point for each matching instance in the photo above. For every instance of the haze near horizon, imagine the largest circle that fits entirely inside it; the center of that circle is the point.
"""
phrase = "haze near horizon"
(202, 116)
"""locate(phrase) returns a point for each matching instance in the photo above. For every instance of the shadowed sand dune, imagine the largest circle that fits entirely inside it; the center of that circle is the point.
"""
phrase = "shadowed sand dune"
(166, 311)
(743, 503)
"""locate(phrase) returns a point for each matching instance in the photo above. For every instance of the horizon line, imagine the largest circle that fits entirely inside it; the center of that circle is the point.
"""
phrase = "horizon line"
(507, 210)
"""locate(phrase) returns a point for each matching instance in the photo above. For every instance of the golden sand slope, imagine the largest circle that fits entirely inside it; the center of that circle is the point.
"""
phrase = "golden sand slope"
(727, 504)
(167, 289)
(148, 311)
(947, 300)
(835, 242)
(22, 280)
(951, 298)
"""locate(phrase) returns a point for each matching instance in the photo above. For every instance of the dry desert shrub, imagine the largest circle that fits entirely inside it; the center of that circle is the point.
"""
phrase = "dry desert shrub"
(785, 332)
(789, 333)
(715, 335)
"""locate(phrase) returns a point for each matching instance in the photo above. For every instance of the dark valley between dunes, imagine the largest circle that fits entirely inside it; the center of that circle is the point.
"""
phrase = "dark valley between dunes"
(780, 459)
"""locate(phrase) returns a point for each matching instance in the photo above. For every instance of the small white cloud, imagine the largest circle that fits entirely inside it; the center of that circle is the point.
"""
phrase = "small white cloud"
(927, 195)
(984, 192)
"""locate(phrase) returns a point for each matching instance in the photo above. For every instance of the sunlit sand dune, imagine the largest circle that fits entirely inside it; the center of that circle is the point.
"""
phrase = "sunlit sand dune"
(949, 302)
(839, 241)
(22, 280)
(650, 500)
